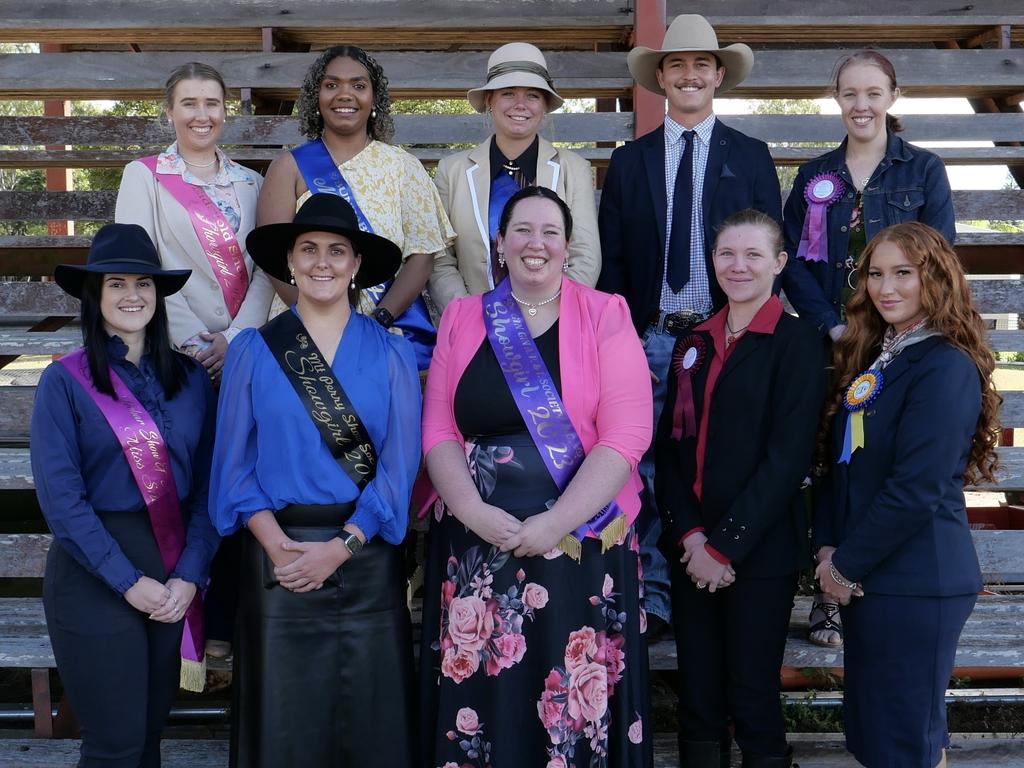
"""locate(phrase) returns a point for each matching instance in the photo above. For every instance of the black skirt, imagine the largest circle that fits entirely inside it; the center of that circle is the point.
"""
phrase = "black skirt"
(323, 679)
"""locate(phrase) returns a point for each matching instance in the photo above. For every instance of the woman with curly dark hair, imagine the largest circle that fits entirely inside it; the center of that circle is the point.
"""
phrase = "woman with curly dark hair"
(912, 418)
(345, 112)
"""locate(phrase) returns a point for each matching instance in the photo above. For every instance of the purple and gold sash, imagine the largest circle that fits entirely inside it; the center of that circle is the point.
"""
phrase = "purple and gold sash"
(216, 237)
(150, 463)
(540, 405)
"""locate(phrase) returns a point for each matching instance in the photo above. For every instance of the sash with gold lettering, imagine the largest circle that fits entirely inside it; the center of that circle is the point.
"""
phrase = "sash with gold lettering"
(540, 405)
(322, 397)
(216, 237)
(150, 464)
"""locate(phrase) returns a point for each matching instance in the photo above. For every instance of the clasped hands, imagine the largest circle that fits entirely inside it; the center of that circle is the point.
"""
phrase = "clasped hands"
(537, 535)
(701, 567)
(302, 566)
(165, 603)
(823, 573)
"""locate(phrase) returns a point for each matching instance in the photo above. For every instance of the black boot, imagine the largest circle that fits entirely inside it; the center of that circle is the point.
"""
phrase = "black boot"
(700, 754)
(763, 761)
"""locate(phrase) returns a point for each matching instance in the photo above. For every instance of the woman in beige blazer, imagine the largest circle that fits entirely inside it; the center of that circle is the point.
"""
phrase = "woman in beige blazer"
(475, 183)
(221, 298)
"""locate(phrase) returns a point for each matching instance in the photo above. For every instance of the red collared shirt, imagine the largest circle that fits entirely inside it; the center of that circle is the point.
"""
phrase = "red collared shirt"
(764, 321)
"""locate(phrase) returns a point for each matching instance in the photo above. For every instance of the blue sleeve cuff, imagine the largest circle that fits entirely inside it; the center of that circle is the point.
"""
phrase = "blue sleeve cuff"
(119, 573)
(367, 521)
(193, 566)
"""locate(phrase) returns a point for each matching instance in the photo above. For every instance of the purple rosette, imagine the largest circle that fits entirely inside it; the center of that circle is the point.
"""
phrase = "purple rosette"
(820, 192)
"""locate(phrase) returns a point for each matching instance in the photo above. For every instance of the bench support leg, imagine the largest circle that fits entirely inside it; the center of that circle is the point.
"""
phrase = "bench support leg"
(41, 704)
(65, 724)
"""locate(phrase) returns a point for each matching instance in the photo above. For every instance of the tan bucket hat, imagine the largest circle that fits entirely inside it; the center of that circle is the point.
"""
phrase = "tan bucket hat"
(516, 65)
(690, 32)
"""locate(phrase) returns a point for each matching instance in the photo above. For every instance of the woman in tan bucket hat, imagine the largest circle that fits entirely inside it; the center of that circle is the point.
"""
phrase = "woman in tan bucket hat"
(475, 184)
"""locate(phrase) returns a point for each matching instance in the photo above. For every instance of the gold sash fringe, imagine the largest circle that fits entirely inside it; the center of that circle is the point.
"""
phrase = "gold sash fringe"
(612, 534)
(193, 675)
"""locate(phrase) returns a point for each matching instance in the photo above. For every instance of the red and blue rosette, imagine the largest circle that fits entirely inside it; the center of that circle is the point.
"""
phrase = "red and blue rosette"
(687, 358)
(859, 395)
(820, 192)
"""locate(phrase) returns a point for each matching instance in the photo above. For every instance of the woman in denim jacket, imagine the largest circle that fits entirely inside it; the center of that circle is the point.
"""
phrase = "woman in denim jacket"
(841, 200)
(884, 181)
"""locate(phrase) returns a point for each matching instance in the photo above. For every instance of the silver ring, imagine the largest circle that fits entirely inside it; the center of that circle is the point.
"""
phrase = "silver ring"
(701, 585)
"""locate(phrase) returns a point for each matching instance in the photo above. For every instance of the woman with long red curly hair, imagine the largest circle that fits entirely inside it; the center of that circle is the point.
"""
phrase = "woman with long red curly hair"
(912, 418)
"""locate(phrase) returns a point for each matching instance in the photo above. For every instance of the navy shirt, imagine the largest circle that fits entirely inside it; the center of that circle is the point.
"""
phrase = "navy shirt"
(79, 466)
(269, 453)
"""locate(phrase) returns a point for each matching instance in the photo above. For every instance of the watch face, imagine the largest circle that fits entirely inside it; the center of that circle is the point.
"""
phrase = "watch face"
(353, 543)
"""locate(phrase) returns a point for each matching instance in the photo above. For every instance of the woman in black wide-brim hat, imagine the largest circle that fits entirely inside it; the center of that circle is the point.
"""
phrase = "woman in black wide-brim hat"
(317, 448)
(132, 540)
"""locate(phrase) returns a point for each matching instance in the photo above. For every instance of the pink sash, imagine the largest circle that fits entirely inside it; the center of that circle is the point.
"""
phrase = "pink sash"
(216, 237)
(150, 464)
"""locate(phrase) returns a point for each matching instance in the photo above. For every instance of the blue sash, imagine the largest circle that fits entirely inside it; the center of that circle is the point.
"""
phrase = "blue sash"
(321, 175)
(502, 189)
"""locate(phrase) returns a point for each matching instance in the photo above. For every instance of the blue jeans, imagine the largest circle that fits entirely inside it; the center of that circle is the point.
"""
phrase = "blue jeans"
(657, 593)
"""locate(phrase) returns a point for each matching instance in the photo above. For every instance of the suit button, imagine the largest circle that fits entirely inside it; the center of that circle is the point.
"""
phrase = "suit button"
(843, 228)
(743, 527)
(736, 537)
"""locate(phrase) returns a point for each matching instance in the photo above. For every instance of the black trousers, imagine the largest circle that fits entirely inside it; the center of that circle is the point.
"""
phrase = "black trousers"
(730, 647)
(119, 668)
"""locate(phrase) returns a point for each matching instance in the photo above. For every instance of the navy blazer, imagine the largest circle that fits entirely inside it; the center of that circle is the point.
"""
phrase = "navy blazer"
(896, 511)
(760, 443)
(634, 207)
(910, 184)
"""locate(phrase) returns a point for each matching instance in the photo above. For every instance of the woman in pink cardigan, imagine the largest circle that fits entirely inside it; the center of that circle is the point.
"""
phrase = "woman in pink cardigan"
(537, 410)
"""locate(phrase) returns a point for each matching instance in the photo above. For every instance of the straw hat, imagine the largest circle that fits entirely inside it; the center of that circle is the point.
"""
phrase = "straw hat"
(516, 65)
(690, 33)
(269, 245)
(121, 249)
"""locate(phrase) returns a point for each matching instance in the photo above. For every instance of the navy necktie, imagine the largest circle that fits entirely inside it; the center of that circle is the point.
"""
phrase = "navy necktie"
(682, 216)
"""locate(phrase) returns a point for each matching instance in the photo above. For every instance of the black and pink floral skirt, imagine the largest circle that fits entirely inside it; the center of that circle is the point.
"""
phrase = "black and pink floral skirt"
(535, 661)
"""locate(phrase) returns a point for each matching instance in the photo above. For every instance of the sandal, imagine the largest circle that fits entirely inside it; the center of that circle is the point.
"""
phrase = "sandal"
(825, 623)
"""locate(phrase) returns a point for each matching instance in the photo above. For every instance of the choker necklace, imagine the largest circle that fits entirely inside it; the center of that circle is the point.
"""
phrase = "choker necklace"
(733, 335)
(200, 165)
(532, 308)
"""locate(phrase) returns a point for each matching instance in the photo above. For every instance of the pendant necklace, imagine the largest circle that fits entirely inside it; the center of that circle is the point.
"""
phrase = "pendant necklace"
(531, 309)
(733, 335)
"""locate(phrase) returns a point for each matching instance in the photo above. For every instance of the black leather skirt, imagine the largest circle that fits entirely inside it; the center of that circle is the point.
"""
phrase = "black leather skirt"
(323, 679)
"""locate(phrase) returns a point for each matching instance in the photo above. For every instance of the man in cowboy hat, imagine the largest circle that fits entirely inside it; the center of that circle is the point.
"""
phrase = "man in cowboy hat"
(664, 196)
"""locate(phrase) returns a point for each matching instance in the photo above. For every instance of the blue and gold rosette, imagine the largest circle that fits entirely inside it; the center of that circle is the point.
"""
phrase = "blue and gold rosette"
(859, 395)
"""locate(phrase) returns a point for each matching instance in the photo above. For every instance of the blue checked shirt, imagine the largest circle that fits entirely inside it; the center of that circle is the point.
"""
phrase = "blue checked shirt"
(696, 294)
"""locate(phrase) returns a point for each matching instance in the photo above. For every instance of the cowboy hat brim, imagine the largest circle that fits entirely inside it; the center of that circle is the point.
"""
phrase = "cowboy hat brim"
(268, 246)
(477, 97)
(738, 60)
(71, 277)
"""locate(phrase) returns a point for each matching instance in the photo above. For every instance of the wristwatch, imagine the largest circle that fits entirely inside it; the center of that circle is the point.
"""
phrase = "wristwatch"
(351, 542)
(383, 316)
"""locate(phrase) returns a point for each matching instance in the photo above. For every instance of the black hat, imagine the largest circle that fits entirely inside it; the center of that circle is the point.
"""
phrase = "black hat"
(269, 245)
(121, 249)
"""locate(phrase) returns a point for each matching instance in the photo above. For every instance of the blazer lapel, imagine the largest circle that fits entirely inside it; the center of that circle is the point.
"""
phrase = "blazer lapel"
(718, 151)
(478, 176)
(654, 164)
(549, 170)
(905, 359)
(745, 347)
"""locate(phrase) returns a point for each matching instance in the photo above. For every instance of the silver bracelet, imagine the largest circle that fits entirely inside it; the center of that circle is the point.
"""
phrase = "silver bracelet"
(838, 577)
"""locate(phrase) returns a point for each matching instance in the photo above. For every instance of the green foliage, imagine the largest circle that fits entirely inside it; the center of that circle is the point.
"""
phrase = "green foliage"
(787, 173)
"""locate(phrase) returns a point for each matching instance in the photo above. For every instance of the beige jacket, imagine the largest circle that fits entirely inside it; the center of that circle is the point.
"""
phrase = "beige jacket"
(464, 181)
(200, 305)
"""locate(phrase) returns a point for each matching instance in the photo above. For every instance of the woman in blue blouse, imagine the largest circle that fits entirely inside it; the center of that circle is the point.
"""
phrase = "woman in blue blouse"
(874, 179)
(124, 569)
(317, 449)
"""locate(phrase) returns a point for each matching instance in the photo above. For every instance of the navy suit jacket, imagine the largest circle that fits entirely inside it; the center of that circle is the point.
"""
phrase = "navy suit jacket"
(896, 511)
(632, 219)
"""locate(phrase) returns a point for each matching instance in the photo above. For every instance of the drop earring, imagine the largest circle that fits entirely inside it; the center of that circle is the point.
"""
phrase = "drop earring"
(352, 284)
(501, 258)
(373, 113)
(565, 265)
(292, 281)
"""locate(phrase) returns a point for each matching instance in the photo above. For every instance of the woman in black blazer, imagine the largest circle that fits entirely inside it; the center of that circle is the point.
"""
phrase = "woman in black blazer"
(736, 441)
(913, 417)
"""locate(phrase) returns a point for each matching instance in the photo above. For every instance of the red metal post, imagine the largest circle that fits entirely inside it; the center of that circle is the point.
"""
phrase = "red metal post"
(58, 179)
(649, 24)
